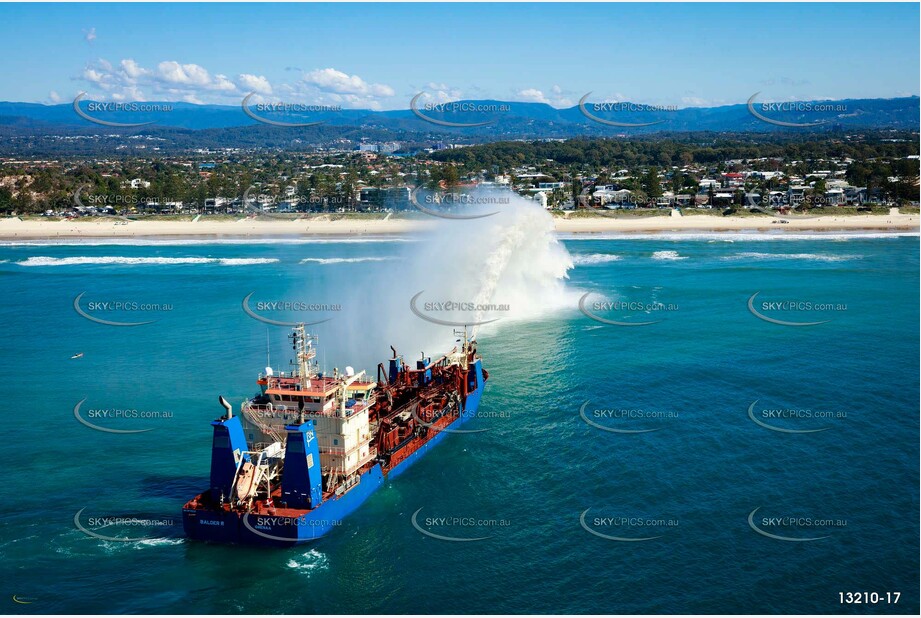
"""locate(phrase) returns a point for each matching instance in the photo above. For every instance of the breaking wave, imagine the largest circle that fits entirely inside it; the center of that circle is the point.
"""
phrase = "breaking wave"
(668, 255)
(816, 257)
(594, 258)
(737, 236)
(203, 240)
(345, 260)
(42, 260)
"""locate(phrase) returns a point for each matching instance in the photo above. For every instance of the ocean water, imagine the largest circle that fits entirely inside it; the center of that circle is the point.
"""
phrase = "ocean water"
(553, 476)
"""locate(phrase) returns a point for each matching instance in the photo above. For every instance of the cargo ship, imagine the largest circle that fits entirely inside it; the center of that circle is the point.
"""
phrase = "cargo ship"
(309, 448)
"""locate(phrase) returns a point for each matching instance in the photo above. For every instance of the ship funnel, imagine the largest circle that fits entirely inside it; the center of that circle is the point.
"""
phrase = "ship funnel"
(226, 405)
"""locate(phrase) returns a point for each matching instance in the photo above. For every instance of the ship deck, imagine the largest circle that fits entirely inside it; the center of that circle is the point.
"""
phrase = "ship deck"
(264, 507)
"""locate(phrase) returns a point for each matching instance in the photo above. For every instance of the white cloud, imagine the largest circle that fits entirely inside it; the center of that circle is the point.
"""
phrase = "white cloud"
(556, 97)
(331, 80)
(694, 101)
(254, 83)
(89, 35)
(533, 95)
(616, 97)
(94, 76)
(171, 80)
(333, 87)
(440, 93)
(172, 72)
(128, 94)
(132, 69)
(54, 97)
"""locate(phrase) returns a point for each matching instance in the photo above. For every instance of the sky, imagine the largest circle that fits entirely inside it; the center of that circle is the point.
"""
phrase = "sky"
(378, 56)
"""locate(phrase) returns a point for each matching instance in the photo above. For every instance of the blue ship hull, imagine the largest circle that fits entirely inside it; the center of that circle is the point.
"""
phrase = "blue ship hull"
(278, 531)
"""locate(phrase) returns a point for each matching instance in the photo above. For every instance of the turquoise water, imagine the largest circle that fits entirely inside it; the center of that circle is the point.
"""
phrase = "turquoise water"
(692, 482)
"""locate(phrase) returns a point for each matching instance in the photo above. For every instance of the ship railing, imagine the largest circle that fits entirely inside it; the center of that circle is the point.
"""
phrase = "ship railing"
(259, 447)
(266, 428)
(284, 412)
(341, 450)
(362, 461)
(349, 482)
(372, 455)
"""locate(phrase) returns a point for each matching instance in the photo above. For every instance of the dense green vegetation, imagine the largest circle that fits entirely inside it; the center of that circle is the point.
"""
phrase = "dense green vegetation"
(329, 182)
(683, 150)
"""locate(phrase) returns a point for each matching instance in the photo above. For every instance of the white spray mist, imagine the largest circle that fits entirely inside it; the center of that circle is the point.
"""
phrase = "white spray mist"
(506, 267)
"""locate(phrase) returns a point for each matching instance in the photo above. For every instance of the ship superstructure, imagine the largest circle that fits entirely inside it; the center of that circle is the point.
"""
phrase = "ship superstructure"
(309, 448)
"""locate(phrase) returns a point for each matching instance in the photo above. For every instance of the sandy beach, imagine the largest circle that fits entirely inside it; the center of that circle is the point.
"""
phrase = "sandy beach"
(14, 228)
(893, 221)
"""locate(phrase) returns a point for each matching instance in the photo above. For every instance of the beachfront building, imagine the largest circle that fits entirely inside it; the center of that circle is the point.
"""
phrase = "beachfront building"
(834, 197)
(855, 196)
(777, 199)
(708, 183)
(723, 198)
(732, 180)
(609, 195)
(796, 194)
(218, 204)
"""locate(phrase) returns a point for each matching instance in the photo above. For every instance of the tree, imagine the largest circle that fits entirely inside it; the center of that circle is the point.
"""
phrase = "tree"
(818, 192)
(450, 177)
(651, 183)
(6, 199)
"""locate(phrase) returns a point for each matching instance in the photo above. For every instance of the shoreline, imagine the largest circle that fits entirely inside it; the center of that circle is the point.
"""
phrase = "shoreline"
(13, 228)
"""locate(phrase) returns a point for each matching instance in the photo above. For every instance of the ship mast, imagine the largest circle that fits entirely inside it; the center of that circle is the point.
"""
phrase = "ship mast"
(304, 353)
(464, 354)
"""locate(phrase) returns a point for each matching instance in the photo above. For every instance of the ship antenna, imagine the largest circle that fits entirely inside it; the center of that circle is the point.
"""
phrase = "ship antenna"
(268, 356)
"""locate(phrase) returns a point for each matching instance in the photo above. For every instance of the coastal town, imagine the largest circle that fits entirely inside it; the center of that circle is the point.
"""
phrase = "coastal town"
(379, 178)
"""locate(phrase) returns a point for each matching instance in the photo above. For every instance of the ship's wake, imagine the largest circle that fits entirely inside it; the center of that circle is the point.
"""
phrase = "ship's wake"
(485, 274)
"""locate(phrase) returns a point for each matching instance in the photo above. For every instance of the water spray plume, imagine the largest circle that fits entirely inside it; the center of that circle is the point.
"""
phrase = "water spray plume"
(512, 261)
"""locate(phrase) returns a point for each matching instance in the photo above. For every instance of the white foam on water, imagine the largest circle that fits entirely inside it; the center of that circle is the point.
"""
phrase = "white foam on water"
(595, 258)
(668, 255)
(815, 257)
(203, 240)
(736, 236)
(309, 562)
(246, 261)
(157, 543)
(42, 260)
(345, 260)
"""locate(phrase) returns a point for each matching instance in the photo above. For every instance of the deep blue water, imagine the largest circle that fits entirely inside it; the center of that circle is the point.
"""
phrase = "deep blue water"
(692, 483)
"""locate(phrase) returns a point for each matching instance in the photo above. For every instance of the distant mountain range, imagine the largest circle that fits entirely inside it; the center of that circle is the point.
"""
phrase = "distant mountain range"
(222, 125)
